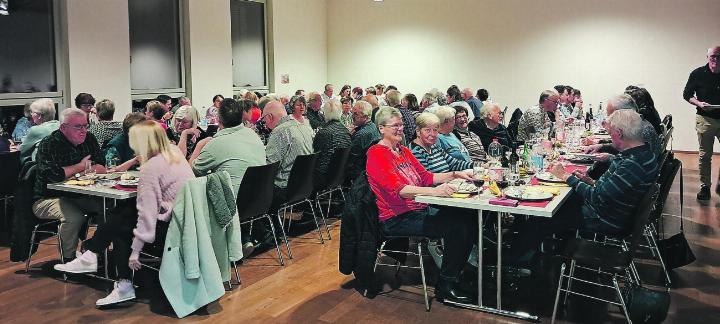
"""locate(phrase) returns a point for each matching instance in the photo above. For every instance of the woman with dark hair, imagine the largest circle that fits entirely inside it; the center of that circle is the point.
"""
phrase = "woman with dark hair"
(345, 91)
(646, 106)
(298, 107)
(410, 102)
(212, 113)
(346, 116)
(357, 93)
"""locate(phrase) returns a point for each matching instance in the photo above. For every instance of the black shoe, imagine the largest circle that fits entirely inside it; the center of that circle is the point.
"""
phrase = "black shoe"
(717, 189)
(704, 193)
(448, 291)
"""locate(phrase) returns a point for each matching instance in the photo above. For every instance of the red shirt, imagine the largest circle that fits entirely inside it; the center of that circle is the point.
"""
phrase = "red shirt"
(388, 173)
(255, 114)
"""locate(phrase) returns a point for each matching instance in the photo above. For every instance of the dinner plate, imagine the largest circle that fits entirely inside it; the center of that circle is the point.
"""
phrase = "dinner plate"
(463, 187)
(128, 183)
(547, 177)
(601, 132)
(527, 195)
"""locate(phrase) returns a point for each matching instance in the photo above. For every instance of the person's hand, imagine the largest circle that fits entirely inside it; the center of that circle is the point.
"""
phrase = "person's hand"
(590, 140)
(558, 170)
(134, 261)
(167, 116)
(444, 190)
(466, 175)
(592, 148)
(201, 144)
(603, 157)
(584, 177)
(194, 132)
(99, 168)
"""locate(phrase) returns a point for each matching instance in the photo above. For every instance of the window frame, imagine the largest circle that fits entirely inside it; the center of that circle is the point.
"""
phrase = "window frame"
(266, 48)
(142, 94)
(58, 97)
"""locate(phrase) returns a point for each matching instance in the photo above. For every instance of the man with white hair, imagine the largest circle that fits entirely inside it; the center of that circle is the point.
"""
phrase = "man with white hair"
(703, 91)
(66, 153)
(42, 112)
(366, 134)
(288, 139)
(315, 102)
(538, 117)
(475, 103)
(328, 93)
(490, 126)
(606, 206)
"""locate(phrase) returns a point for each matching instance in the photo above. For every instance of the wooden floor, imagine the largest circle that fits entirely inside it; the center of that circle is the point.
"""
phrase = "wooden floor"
(310, 289)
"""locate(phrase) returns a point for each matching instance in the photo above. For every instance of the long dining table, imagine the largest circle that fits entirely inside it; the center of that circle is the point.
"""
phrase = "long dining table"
(482, 203)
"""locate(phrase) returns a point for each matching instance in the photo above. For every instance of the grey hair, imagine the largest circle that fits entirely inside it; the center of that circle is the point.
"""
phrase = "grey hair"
(366, 108)
(45, 108)
(445, 113)
(332, 110)
(385, 113)
(70, 112)
(426, 119)
(264, 101)
(392, 98)
(429, 98)
(623, 101)
(487, 108)
(629, 121)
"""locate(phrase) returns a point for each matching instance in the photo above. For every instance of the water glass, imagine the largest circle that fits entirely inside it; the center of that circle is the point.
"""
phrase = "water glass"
(538, 162)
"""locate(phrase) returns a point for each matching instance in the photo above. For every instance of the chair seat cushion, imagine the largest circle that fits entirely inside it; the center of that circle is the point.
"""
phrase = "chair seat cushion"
(594, 255)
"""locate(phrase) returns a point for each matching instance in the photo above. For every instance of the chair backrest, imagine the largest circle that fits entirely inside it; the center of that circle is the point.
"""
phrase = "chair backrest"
(256, 191)
(666, 137)
(644, 209)
(9, 171)
(337, 168)
(300, 183)
(667, 121)
(667, 176)
(512, 126)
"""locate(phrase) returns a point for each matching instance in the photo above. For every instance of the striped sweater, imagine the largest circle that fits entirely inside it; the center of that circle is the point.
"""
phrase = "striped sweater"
(437, 160)
(618, 191)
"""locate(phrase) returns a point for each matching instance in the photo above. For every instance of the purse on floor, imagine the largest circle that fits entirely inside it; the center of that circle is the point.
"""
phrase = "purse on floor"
(675, 250)
(645, 305)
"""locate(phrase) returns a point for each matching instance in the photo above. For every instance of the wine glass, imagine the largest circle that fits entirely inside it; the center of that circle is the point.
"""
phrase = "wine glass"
(478, 177)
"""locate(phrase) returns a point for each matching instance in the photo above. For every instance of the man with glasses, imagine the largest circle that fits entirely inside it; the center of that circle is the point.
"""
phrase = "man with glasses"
(538, 117)
(703, 91)
(68, 152)
(364, 135)
(42, 112)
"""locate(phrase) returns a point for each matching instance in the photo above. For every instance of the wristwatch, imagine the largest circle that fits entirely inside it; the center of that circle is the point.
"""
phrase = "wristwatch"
(77, 175)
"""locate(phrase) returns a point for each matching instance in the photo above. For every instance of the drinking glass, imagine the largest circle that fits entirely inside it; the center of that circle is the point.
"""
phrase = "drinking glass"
(478, 177)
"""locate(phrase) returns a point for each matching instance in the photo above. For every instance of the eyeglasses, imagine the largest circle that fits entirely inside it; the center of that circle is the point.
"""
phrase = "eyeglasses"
(81, 127)
(395, 126)
(87, 105)
(461, 117)
(714, 56)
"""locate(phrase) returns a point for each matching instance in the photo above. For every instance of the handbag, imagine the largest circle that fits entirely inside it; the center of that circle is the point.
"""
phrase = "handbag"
(675, 250)
(645, 305)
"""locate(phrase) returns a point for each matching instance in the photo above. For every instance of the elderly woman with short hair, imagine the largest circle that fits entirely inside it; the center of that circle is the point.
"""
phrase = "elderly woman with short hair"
(333, 135)
(448, 142)
(472, 141)
(427, 149)
(396, 177)
(184, 130)
(105, 128)
(42, 112)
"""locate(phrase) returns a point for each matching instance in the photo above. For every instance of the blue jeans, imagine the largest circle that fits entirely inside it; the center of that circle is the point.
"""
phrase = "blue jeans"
(456, 226)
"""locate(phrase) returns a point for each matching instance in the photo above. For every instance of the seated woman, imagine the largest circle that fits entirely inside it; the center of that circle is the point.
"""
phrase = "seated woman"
(396, 177)
(446, 139)
(211, 115)
(489, 126)
(427, 150)
(346, 117)
(121, 143)
(155, 110)
(472, 141)
(163, 173)
(333, 135)
(184, 130)
(105, 128)
(23, 125)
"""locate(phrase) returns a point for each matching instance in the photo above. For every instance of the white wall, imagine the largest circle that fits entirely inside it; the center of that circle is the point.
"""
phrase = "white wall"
(98, 52)
(209, 63)
(517, 48)
(300, 44)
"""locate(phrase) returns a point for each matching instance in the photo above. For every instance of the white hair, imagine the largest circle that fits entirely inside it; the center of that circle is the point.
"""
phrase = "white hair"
(385, 113)
(70, 112)
(629, 121)
(366, 107)
(45, 108)
(486, 109)
(623, 101)
(445, 113)
(332, 110)
(426, 119)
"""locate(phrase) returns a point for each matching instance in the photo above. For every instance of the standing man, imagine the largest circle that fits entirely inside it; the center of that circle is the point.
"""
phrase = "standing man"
(327, 95)
(702, 90)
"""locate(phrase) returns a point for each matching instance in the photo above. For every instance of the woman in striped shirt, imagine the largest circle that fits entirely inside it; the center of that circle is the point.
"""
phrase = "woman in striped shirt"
(426, 149)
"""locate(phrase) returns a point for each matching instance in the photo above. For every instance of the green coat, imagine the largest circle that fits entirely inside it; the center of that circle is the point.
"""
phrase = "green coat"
(197, 255)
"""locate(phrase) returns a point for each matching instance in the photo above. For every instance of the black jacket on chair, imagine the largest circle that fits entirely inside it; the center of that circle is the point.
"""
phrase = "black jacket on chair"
(360, 233)
(24, 220)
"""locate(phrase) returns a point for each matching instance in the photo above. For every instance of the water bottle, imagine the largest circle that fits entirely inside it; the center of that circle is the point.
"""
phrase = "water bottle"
(111, 158)
(495, 151)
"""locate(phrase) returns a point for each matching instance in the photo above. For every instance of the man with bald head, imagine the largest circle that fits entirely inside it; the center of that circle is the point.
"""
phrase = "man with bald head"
(288, 139)
(475, 103)
(538, 117)
(703, 91)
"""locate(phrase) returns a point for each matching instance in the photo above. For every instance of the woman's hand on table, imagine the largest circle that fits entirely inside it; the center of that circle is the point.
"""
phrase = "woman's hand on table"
(465, 175)
(444, 190)
(558, 170)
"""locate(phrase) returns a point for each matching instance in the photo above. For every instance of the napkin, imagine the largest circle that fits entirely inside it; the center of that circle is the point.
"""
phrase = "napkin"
(503, 202)
(80, 182)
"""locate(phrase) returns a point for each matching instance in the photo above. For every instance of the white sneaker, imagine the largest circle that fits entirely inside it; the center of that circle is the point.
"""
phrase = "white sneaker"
(85, 263)
(123, 291)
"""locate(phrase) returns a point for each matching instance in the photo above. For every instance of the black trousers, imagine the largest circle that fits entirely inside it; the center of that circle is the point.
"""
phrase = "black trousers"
(456, 226)
(118, 230)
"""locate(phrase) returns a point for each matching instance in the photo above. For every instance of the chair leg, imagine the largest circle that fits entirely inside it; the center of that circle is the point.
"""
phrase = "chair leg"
(59, 240)
(654, 246)
(319, 206)
(237, 273)
(317, 225)
(646, 233)
(377, 259)
(422, 275)
(557, 294)
(622, 300)
(282, 229)
(32, 245)
(324, 219)
(277, 246)
(569, 285)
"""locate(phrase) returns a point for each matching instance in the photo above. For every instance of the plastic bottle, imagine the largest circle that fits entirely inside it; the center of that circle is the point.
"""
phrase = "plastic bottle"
(111, 158)
(495, 151)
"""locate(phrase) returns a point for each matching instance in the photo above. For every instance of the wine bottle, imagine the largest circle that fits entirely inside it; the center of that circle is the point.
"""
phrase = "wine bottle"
(514, 159)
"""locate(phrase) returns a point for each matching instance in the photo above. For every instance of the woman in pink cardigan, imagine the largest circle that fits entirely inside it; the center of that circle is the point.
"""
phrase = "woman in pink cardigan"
(163, 171)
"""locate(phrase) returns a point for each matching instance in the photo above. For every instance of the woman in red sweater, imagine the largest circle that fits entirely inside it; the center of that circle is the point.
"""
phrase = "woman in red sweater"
(396, 177)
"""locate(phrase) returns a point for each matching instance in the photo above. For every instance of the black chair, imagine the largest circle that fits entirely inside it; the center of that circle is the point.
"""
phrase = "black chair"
(512, 126)
(603, 259)
(9, 173)
(419, 240)
(335, 179)
(255, 198)
(299, 188)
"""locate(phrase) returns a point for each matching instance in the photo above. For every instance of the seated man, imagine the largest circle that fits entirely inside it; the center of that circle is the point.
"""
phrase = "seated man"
(538, 117)
(288, 139)
(489, 126)
(313, 114)
(64, 154)
(42, 112)
(364, 135)
(605, 206)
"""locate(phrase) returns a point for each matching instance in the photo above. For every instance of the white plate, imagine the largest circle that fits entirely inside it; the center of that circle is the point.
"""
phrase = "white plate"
(527, 195)
(128, 183)
(463, 186)
(547, 177)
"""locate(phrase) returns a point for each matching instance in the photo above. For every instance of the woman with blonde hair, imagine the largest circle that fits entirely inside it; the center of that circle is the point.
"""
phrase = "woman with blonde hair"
(162, 174)
(184, 130)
